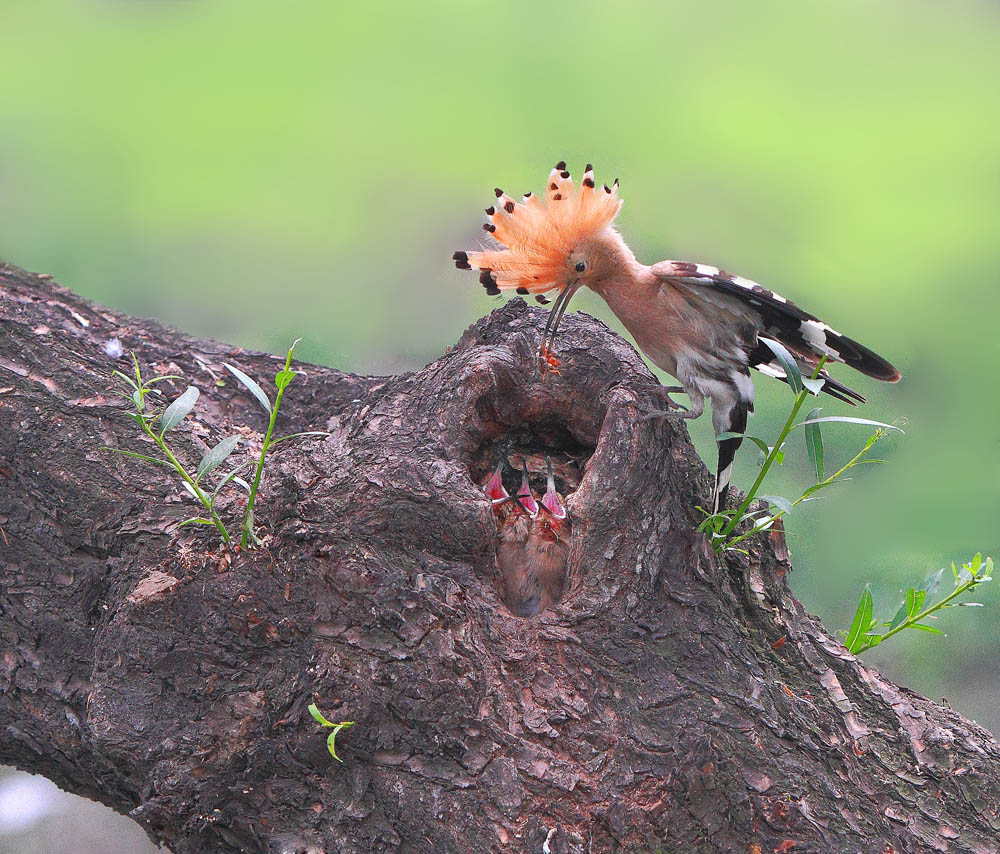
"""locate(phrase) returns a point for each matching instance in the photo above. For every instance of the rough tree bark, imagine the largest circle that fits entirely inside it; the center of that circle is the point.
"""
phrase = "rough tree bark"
(671, 702)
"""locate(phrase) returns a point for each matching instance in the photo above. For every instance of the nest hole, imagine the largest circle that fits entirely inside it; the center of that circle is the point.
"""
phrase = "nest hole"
(532, 548)
(532, 443)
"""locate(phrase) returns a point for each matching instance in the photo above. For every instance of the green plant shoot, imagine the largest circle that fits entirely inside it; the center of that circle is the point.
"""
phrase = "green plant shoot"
(281, 381)
(866, 632)
(156, 425)
(331, 741)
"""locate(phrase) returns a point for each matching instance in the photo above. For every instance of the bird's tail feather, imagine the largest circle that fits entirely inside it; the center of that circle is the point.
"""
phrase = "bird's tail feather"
(727, 453)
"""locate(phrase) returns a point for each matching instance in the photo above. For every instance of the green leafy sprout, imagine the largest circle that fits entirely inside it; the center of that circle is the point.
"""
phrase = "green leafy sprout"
(722, 526)
(156, 424)
(281, 381)
(866, 632)
(331, 740)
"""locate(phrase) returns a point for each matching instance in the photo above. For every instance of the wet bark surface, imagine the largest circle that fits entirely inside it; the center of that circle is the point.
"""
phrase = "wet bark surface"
(671, 701)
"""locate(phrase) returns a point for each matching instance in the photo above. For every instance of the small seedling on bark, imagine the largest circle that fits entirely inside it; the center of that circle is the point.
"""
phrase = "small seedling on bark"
(156, 423)
(331, 741)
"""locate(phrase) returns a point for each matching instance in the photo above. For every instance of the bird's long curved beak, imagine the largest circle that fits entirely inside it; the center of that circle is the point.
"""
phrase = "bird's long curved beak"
(555, 315)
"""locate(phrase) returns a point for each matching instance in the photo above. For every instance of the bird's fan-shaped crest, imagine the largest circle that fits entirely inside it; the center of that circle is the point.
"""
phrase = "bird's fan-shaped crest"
(537, 235)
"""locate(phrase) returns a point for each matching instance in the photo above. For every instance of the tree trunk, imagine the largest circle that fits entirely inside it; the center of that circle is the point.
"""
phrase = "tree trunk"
(670, 702)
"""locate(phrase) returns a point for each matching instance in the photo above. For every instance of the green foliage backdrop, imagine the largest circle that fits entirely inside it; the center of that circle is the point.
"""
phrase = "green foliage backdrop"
(257, 171)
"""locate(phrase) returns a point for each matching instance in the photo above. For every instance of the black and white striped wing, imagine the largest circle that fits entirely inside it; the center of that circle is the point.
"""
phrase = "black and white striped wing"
(805, 335)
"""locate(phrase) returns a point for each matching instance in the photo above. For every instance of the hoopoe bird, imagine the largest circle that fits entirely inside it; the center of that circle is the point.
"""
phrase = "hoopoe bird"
(698, 323)
(532, 543)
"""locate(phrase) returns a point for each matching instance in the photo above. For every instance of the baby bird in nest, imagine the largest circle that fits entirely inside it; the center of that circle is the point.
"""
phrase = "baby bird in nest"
(532, 543)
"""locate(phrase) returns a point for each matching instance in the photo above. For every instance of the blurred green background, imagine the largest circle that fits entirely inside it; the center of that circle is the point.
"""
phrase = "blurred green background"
(255, 172)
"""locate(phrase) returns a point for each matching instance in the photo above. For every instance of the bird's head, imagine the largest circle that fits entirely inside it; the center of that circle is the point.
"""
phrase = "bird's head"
(494, 487)
(525, 500)
(558, 241)
(551, 505)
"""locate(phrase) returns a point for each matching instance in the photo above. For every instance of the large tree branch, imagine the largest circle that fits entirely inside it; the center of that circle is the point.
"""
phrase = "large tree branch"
(656, 705)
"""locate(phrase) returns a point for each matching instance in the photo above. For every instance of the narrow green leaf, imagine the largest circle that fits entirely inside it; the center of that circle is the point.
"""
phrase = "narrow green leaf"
(231, 476)
(138, 456)
(815, 386)
(778, 501)
(901, 615)
(925, 628)
(870, 640)
(252, 386)
(127, 379)
(197, 520)
(707, 525)
(331, 741)
(760, 443)
(190, 489)
(162, 378)
(175, 413)
(847, 419)
(242, 483)
(318, 715)
(814, 444)
(792, 373)
(933, 583)
(217, 456)
(816, 487)
(861, 622)
(284, 377)
(137, 399)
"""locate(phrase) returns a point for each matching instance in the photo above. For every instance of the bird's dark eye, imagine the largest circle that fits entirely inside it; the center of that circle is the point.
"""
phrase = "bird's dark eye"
(581, 266)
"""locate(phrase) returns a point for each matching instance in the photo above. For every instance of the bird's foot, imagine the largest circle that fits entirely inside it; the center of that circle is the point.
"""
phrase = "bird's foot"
(673, 410)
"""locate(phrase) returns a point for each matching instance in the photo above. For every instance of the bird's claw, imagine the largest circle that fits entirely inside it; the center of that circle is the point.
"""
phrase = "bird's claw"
(673, 410)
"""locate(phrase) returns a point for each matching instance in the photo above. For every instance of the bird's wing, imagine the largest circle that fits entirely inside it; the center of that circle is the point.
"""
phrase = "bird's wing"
(806, 336)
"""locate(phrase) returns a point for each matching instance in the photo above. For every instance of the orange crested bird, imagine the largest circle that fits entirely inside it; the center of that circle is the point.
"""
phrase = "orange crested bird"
(532, 544)
(698, 323)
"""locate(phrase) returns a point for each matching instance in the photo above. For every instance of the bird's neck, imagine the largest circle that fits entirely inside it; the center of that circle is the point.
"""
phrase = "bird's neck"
(629, 287)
